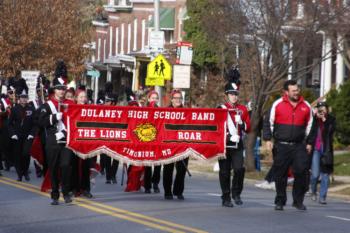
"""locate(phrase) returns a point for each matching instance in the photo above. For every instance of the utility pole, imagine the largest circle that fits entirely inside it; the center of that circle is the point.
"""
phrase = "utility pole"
(157, 29)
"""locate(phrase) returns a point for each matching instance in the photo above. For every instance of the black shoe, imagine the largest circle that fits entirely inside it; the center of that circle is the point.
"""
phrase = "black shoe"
(299, 206)
(102, 173)
(114, 180)
(168, 197)
(156, 188)
(108, 182)
(54, 202)
(87, 194)
(227, 203)
(180, 197)
(238, 200)
(0, 174)
(26, 177)
(147, 191)
(279, 207)
(19, 178)
(67, 199)
(39, 174)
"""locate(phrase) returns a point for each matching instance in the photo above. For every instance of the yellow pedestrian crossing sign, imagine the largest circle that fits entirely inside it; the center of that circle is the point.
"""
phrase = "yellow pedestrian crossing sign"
(158, 70)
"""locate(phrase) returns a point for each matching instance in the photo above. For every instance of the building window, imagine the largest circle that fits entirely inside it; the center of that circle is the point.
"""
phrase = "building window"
(122, 38)
(116, 40)
(135, 35)
(110, 41)
(169, 37)
(143, 34)
(99, 49)
(129, 38)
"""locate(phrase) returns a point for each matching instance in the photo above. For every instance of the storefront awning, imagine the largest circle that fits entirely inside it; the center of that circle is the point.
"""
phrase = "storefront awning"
(166, 19)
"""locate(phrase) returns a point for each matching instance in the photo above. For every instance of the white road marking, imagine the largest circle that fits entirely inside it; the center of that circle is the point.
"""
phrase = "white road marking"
(214, 194)
(340, 218)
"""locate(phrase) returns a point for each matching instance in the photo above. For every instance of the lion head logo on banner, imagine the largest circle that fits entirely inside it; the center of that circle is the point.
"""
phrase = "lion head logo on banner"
(146, 132)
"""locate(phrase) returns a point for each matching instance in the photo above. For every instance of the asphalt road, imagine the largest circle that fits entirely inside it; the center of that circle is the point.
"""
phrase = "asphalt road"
(24, 209)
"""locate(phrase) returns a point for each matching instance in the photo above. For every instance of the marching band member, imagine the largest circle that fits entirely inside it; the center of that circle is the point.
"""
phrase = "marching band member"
(111, 165)
(58, 156)
(149, 178)
(181, 166)
(238, 122)
(22, 131)
(81, 167)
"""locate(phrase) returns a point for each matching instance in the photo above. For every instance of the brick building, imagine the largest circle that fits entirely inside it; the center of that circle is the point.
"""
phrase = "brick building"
(122, 38)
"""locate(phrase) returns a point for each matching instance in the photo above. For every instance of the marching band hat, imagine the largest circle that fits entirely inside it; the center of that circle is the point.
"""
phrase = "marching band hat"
(232, 88)
(59, 83)
(23, 94)
(110, 97)
(10, 89)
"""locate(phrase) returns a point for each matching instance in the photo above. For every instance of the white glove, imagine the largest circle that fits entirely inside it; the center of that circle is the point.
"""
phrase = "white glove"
(59, 116)
(30, 137)
(59, 136)
(14, 137)
(234, 138)
(238, 119)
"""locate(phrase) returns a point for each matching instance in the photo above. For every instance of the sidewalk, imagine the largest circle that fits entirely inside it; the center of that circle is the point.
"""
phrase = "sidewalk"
(205, 168)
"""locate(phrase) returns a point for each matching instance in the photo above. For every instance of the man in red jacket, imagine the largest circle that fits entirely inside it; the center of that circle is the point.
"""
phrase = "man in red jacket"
(289, 123)
(238, 123)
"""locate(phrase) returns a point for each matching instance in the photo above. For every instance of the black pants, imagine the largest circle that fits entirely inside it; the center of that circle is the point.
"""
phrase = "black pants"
(21, 152)
(111, 168)
(6, 147)
(59, 163)
(234, 160)
(295, 156)
(179, 183)
(80, 174)
(150, 178)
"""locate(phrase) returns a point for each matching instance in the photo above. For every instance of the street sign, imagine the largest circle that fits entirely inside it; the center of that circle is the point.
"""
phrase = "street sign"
(182, 76)
(158, 70)
(184, 53)
(156, 41)
(31, 78)
(94, 73)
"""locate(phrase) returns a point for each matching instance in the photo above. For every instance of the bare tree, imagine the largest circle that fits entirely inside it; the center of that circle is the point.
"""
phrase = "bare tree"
(36, 33)
(272, 41)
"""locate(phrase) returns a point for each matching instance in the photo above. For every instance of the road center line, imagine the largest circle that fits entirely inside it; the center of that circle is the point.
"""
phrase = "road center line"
(340, 218)
(109, 210)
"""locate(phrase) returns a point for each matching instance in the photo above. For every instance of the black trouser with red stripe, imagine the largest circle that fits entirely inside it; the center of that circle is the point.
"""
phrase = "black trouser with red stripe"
(234, 160)
(293, 155)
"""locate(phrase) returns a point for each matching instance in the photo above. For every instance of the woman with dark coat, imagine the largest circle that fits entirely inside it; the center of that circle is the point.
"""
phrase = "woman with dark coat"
(322, 160)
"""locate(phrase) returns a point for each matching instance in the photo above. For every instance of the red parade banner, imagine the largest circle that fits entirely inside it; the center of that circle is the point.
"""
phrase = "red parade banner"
(146, 136)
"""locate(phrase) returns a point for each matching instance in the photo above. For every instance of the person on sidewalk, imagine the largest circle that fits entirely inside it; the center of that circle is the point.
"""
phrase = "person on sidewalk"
(238, 123)
(322, 158)
(289, 123)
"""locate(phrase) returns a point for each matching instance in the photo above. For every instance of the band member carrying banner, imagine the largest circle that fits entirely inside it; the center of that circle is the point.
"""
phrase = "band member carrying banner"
(238, 122)
(58, 156)
(181, 165)
(152, 177)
